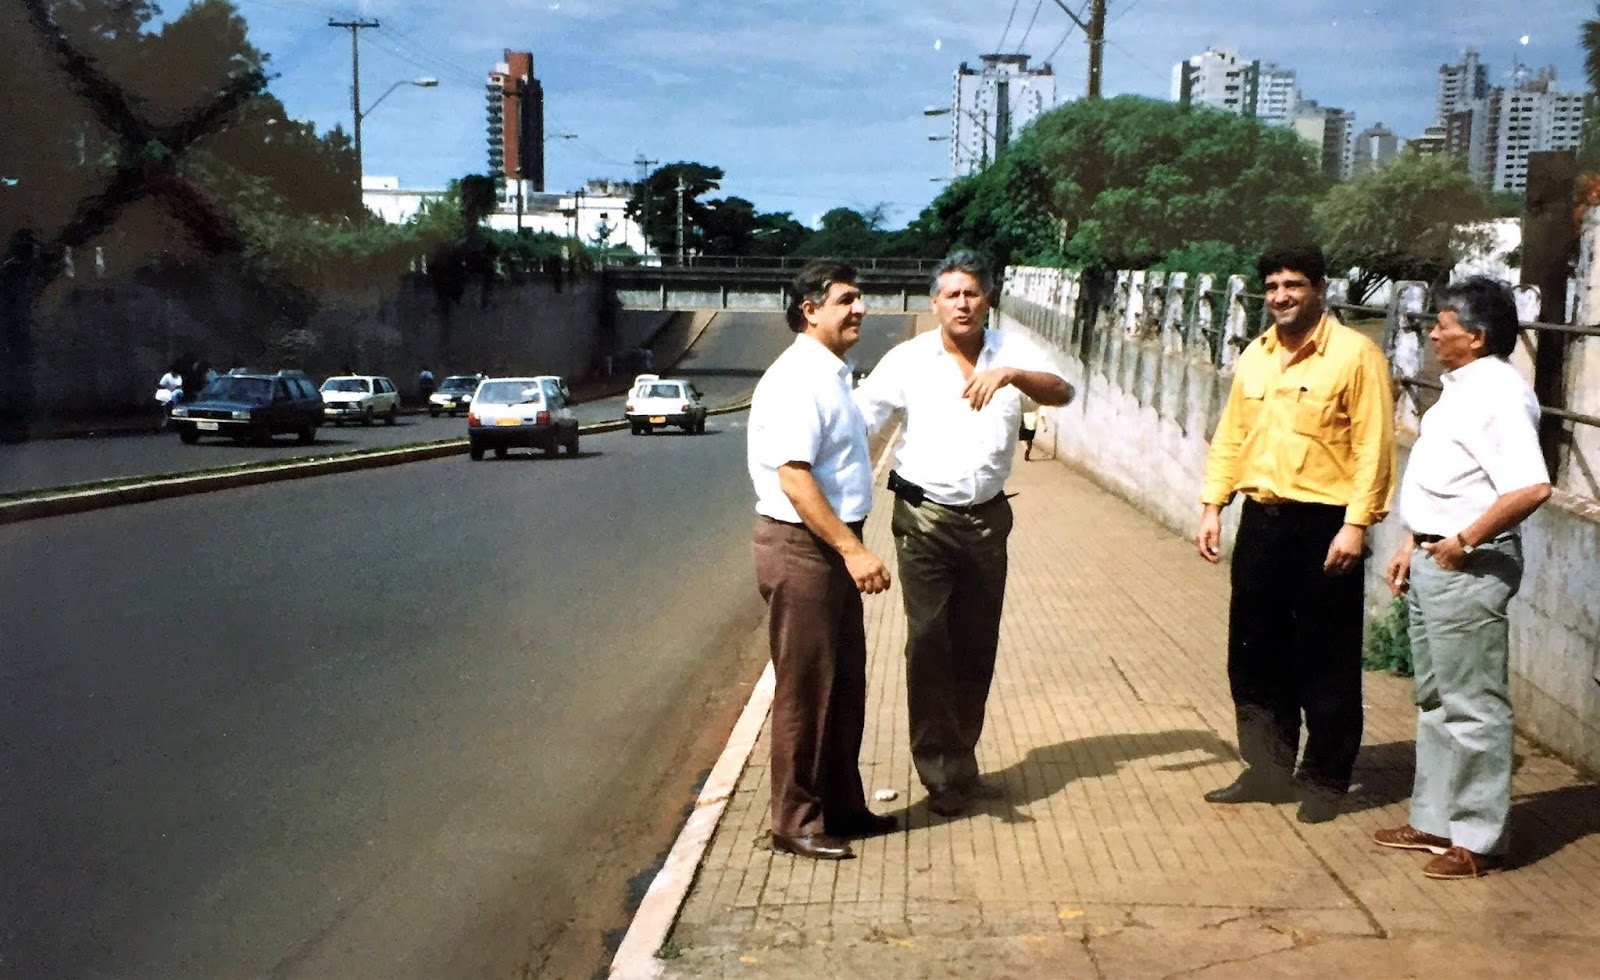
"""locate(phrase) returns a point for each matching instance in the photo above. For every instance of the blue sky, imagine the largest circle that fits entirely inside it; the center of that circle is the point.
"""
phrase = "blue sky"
(808, 106)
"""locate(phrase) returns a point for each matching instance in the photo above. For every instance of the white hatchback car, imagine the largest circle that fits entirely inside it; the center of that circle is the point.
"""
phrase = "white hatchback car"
(664, 401)
(360, 398)
(521, 412)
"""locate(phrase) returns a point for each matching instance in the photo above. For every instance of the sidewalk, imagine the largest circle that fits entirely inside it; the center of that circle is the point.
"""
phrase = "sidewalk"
(1109, 717)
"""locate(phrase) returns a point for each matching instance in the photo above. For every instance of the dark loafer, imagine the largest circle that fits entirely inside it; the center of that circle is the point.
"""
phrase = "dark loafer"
(864, 824)
(818, 847)
(947, 802)
(1319, 808)
(1252, 787)
(980, 790)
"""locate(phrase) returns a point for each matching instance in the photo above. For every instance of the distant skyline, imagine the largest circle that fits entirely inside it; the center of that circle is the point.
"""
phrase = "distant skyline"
(809, 107)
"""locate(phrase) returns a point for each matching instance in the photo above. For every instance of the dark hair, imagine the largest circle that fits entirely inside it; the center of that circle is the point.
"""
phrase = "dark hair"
(1485, 306)
(968, 261)
(812, 283)
(1304, 258)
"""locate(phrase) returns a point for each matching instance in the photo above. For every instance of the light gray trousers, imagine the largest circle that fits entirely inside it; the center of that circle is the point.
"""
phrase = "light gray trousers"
(1460, 641)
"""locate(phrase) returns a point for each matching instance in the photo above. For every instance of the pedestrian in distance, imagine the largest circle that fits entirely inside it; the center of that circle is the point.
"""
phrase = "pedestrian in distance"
(1030, 428)
(808, 460)
(1475, 474)
(1307, 436)
(960, 390)
(424, 384)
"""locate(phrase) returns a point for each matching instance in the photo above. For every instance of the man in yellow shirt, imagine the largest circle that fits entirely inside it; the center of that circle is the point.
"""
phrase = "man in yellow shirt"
(1307, 436)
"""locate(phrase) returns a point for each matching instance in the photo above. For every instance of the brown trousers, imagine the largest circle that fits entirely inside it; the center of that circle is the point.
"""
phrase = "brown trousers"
(819, 661)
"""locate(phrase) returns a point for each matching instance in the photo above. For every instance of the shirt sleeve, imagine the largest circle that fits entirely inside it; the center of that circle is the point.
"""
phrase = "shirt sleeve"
(880, 393)
(786, 427)
(1371, 412)
(1222, 460)
(1511, 457)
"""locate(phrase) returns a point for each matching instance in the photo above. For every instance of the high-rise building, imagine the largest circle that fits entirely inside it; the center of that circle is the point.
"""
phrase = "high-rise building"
(1219, 78)
(1461, 84)
(1532, 117)
(516, 124)
(991, 104)
(1331, 131)
(1374, 146)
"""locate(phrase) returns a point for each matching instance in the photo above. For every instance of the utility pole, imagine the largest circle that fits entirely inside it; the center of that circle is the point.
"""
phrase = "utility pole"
(644, 184)
(355, 27)
(681, 189)
(1095, 31)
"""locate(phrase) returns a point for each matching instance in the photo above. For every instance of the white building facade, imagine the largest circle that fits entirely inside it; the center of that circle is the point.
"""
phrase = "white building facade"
(991, 104)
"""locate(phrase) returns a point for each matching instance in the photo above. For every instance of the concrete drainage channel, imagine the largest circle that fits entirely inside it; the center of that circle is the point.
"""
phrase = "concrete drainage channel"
(138, 490)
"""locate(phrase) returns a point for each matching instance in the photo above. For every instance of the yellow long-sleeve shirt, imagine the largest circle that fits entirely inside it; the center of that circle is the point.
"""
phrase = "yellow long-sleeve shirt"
(1318, 431)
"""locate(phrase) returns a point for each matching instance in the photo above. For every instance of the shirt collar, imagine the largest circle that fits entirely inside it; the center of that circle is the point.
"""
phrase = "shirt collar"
(812, 350)
(936, 343)
(1472, 369)
(1318, 341)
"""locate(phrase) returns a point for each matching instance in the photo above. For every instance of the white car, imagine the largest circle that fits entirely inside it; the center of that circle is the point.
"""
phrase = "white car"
(664, 401)
(360, 398)
(521, 412)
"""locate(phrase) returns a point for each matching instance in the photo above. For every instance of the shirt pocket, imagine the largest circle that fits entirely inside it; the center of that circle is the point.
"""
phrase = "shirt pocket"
(1252, 399)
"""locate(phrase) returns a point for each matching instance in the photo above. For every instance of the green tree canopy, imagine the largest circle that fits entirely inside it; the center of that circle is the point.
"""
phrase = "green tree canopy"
(654, 205)
(1408, 219)
(1124, 182)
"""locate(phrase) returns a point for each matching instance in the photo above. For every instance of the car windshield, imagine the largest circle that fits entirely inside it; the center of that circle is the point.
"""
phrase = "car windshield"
(459, 384)
(509, 393)
(345, 384)
(251, 391)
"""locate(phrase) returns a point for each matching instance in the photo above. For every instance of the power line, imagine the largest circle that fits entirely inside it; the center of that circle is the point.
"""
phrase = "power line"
(1072, 25)
(1012, 16)
(1036, 8)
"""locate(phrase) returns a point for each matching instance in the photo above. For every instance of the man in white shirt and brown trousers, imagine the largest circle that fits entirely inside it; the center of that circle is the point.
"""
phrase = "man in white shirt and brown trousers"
(808, 460)
(1475, 474)
(961, 389)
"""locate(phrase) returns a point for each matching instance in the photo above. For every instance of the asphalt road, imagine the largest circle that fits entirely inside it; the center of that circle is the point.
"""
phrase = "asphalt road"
(415, 721)
(725, 364)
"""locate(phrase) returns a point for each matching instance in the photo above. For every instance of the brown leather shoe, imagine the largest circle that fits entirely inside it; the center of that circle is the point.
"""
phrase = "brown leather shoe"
(947, 802)
(1458, 862)
(1409, 838)
(818, 847)
(863, 824)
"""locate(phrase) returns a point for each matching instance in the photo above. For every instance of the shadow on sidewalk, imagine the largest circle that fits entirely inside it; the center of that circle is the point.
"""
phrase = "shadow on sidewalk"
(1047, 770)
(1545, 823)
(1383, 776)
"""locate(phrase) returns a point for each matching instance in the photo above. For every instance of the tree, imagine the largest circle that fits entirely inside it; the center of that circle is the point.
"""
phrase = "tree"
(1123, 182)
(654, 205)
(1410, 218)
(1589, 155)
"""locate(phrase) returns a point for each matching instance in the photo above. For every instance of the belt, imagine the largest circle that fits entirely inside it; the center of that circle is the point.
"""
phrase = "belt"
(1289, 508)
(1436, 538)
(1427, 538)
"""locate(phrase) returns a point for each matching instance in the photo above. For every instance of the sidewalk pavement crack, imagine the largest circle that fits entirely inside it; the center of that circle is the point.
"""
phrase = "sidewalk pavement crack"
(1126, 680)
(1378, 929)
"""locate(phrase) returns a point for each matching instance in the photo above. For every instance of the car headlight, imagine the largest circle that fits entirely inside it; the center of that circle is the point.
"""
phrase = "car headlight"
(180, 413)
(244, 416)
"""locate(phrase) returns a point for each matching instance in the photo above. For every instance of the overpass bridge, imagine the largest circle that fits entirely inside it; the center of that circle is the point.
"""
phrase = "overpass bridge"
(756, 284)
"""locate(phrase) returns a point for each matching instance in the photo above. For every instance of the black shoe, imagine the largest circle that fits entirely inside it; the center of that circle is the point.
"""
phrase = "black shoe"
(980, 790)
(1252, 787)
(819, 847)
(947, 802)
(864, 824)
(1319, 807)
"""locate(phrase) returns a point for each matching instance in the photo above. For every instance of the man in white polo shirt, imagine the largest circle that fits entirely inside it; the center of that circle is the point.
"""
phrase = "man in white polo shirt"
(1475, 474)
(961, 389)
(808, 459)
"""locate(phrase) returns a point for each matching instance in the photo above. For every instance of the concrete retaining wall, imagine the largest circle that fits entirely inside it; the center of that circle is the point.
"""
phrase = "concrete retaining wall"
(1149, 397)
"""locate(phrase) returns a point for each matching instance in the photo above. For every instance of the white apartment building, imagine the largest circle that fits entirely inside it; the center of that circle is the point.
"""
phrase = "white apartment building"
(1332, 131)
(1531, 118)
(1461, 85)
(991, 104)
(1220, 78)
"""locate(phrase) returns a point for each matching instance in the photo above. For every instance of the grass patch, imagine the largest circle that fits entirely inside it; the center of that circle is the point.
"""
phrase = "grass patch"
(1387, 645)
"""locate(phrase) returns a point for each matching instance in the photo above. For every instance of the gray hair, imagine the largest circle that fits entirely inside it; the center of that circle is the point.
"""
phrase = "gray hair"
(968, 261)
(1485, 306)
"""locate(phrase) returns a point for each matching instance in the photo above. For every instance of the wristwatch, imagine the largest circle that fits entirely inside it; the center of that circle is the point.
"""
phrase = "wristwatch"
(1466, 549)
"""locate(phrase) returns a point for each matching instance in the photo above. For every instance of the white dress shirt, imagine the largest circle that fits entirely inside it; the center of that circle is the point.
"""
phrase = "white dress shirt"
(1479, 441)
(801, 412)
(959, 456)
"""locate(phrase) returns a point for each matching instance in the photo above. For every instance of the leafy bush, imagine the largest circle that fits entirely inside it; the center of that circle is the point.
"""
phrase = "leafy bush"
(1387, 645)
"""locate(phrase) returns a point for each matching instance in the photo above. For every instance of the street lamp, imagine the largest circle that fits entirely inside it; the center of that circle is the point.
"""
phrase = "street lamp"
(424, 82)
(982, 124)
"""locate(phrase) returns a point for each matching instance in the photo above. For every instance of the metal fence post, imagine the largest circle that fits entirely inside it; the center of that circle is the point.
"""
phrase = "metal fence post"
(1236, 325)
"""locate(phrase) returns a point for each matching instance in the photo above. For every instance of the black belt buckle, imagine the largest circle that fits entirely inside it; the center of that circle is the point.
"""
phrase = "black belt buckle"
(906, 490)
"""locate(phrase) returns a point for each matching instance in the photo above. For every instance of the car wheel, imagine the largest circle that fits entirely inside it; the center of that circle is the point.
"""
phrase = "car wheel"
(572, 445)
(433, 413)
(308, 434)
(338, 423)
(189, 436)
(500, 452)
(550, 447)
(366, 415)
(646, 428)
(700, 427)
(393, 415)
(262, 436)
(475, 451)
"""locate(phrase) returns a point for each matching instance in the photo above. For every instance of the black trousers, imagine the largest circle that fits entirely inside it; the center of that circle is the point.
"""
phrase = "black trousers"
(1294, 645)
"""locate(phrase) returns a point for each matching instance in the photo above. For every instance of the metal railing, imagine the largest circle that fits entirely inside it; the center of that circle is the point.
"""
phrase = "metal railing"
(765, 263)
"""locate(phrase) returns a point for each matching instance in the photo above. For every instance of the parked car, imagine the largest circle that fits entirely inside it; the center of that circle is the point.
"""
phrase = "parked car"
(360, 398)
(509, 413)
(454, 394)
(250, 407)
(664, 401)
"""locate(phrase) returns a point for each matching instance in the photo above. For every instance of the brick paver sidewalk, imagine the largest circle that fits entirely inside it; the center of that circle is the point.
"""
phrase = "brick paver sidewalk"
(1109, 718)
